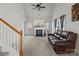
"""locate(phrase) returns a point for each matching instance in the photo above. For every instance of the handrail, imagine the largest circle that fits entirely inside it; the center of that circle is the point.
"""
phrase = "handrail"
(9, 25)
(17, 31)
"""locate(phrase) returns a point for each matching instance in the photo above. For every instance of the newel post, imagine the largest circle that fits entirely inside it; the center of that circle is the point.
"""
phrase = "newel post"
(20, 49)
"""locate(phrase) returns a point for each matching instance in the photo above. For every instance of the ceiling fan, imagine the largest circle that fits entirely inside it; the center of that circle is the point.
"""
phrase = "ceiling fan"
(38, 6)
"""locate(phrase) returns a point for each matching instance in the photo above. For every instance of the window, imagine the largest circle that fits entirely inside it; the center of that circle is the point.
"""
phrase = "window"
(59, 23)
(39, 22)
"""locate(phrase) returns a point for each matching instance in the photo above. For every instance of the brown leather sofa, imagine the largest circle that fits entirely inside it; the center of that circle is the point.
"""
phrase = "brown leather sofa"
(63, 41)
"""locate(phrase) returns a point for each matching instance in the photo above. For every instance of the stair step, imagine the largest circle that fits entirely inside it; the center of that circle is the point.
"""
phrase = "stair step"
(4, 53)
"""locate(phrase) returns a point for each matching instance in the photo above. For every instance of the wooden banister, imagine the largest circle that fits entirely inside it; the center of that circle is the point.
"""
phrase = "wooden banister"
(21, 50)
(9, 25)
(17, 31)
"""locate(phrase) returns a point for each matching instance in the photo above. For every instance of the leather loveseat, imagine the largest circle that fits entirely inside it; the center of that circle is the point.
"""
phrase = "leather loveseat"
(63, 41)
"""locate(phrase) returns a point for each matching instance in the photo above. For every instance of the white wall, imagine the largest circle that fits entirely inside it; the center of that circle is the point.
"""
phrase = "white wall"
(65, 8)
(14, 14)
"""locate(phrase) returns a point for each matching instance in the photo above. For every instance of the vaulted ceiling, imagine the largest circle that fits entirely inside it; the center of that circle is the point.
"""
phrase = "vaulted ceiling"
(35, 13)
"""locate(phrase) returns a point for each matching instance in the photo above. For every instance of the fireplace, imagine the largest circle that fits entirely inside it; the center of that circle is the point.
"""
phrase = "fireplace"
(39, 32)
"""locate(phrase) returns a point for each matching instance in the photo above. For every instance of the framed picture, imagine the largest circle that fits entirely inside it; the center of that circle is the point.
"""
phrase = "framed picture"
(75, 12)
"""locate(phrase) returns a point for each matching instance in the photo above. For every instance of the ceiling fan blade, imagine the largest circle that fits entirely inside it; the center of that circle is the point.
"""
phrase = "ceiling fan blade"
(42, 7)
(39, 3)
(33, 5)
(34, 8)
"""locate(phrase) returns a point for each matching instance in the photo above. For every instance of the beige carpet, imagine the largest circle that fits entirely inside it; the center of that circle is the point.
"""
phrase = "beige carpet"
(37, 46)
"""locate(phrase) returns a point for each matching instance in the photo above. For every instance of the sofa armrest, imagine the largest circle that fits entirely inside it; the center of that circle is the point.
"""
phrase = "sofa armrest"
(72, 37)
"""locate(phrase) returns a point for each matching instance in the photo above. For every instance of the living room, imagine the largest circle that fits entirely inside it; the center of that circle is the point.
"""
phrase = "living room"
(37, 21)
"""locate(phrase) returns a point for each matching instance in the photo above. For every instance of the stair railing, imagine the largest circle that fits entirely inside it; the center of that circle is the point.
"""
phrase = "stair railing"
(19, 32)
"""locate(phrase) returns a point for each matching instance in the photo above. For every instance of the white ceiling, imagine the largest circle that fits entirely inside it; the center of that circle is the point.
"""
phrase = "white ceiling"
(34, 13)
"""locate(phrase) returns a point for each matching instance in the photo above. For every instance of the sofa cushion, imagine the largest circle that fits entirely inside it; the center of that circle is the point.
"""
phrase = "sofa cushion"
(64, 34)
(54, 40)
(56, 32)
(59, 32)
(56, 35)
(64, 39)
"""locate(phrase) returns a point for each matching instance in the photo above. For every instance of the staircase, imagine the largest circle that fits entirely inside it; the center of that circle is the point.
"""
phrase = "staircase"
(3, 53)
(8, 37)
